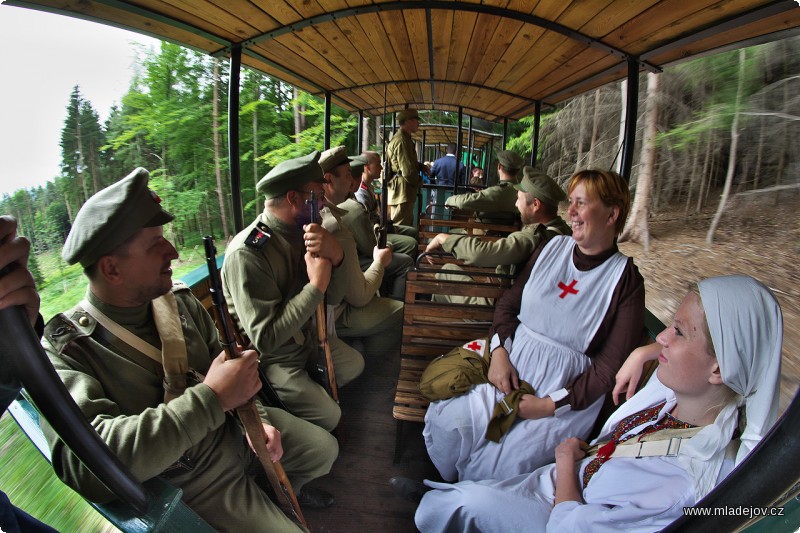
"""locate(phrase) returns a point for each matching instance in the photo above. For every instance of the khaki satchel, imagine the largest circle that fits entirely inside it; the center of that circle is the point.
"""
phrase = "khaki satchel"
(455, 372)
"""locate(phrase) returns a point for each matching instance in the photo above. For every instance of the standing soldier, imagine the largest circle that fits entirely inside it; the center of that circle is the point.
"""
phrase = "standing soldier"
(496, 204)
(138, 341)
(406, 182)
(275, 274)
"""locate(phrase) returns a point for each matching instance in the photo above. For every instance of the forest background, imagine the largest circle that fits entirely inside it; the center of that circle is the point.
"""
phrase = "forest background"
(708, 129)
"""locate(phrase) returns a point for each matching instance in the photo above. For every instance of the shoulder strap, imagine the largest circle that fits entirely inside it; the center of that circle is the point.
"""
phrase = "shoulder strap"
(123, 334)
(554, 230)
(173, 345)
(664, 443)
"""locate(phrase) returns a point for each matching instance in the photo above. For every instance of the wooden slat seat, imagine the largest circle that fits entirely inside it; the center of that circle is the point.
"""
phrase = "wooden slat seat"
(431, 329)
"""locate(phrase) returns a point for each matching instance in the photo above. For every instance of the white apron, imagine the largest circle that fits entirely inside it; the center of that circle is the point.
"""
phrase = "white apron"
(548, 352)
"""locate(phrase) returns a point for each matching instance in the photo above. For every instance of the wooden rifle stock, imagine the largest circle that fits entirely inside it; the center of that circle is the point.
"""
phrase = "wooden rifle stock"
(248, 413)
(325, 359)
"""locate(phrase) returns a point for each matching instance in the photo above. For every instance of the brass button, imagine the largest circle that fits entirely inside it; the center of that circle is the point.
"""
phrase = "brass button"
(83, 321)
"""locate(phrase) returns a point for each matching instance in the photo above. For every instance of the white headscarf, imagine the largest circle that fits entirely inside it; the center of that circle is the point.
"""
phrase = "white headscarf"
(746, 327)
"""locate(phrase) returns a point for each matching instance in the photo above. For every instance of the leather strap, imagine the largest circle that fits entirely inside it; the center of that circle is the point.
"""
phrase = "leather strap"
(664, 443)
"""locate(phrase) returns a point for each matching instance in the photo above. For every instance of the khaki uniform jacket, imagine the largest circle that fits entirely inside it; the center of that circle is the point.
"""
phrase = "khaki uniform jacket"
(403, 188)
(120, 393)
(356, 219)
(493, 204)
(504, 253)
(268, 292)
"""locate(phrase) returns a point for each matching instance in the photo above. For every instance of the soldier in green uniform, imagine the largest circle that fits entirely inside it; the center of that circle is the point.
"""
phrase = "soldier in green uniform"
(406, 182)
(403, 238)
(538, 197)
(339, 192)
(496, 204)
(362, 314)
(138, 341)
(276, 272)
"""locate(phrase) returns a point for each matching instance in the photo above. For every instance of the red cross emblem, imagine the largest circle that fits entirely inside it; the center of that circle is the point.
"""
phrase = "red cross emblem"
(474, 346)
(568, 289)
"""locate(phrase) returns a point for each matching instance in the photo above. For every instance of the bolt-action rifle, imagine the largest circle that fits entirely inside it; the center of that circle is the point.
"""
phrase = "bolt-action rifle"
(325, 359)
(248, 413)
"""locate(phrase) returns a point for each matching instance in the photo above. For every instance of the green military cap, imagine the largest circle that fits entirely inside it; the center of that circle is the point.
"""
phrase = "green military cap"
(291, 175)
(407, 114)
(510, 160)
(111, 217)
(333, 157)
(357, 165)
(541, 186)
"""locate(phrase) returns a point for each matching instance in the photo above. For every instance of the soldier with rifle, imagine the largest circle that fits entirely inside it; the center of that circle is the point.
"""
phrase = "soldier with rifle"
(275, 274)
(143, 360)
(404, 181)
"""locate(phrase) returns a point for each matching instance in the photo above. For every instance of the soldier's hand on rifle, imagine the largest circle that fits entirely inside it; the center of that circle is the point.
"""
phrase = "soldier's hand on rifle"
(273, 440)
(436, 244)
(319, 241)
(17, 286)
(382, 255)
(319, 271)
(234, 381)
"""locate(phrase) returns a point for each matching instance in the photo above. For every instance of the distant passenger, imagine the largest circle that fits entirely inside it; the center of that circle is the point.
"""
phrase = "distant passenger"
(403, 238)
(405, 181)
(276, 272)
(720, 356)
(496, 204)
(444, 168)
(565, 327)
(142, 358)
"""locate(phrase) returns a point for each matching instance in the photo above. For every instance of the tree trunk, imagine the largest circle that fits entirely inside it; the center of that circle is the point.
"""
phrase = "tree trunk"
(365, 135)
(732, 155)
(299, 116)
(79, 169)
(637, 229)
(217, 169)
(623, 94)
(595, 125)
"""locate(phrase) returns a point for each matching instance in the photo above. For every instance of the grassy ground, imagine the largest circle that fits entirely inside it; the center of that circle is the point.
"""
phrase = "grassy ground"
(25, 475)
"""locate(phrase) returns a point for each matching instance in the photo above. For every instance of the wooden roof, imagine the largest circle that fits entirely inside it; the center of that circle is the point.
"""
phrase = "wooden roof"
(494, 58)
(446, 133)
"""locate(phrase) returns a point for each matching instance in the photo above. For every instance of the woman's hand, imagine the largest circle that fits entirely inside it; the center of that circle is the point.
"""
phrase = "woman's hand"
(568, 487)
(502, 373)
(571, 450)
(631, 371)
(532, 407)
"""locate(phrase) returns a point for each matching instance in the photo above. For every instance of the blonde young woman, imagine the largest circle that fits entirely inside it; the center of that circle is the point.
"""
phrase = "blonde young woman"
(722, 351)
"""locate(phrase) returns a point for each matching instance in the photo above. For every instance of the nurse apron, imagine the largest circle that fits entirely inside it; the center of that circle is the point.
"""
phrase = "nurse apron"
(560, 313)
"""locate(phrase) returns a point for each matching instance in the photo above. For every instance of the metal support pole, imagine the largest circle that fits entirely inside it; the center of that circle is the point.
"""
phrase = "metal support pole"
(537, 120)
(326, 142)
(360, 132)
(470, 147)
(631, 111)
(459, 144)
(505, 132)
(233, 139)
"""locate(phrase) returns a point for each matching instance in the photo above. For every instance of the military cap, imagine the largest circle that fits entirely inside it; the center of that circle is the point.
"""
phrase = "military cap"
(333, 157)
(357, 165)
(541, 186)
(291, 175)
(510, 160)
(407, 114)
(111, 217)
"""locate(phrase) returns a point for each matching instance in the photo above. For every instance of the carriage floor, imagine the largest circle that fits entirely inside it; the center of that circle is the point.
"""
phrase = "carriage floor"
(360, 477)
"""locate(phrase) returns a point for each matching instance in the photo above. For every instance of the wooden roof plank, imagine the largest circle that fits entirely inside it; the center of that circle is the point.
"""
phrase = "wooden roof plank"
(481, 42)
(460, 37)
(504, 34)
(372, 25)
(441, 29)
(288, 56)
(397, 34)
(417, 30)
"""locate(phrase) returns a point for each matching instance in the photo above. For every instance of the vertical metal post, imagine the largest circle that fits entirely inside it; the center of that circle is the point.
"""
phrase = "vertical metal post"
(459, 144)
(360, 132)
(631, 111)
(233, 139)
(489, 157)
(505, 132)
(327, 135)
(537, 121)
(470, 147)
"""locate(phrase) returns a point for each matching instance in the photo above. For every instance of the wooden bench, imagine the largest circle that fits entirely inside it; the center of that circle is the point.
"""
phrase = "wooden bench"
(430, 225)
(431, 329)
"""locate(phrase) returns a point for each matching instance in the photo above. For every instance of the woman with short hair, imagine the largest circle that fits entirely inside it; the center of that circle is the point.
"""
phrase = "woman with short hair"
(572, 317)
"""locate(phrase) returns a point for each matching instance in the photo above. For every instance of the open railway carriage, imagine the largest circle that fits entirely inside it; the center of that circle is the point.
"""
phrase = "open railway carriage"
(499, 61)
